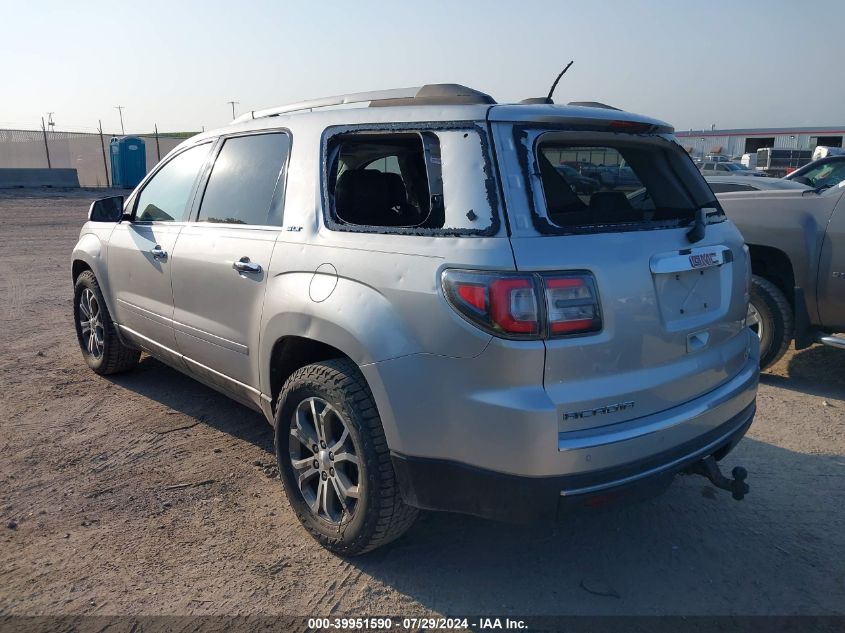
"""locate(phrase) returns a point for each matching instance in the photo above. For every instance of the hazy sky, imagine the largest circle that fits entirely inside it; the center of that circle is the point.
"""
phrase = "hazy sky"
(176, 63)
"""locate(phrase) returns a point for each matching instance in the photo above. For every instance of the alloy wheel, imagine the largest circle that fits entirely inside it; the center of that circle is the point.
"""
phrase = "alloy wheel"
(324, 460)
(91, 323)
(755, 321)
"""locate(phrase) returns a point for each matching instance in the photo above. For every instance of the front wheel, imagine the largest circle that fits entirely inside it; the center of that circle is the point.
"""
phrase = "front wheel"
(770, 317)
(334, 462)
(97, 335)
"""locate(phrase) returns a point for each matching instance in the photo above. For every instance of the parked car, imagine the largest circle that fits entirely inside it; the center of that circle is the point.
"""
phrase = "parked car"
(619, 177)
(728, 169)
(725, 184)
(797, 243)
(825, 172)
(716, 158)
(352, 274)
(581, 184)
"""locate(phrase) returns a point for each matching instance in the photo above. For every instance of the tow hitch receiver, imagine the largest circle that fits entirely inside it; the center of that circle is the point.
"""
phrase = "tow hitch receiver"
(708, 467)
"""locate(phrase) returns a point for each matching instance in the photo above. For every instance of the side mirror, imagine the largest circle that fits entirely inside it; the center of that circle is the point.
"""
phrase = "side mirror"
(106, 209)
(803, 180)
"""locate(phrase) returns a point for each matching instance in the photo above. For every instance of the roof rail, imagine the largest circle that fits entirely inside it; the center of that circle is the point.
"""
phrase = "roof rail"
(431, 94)
(537, 101)
(591, 104)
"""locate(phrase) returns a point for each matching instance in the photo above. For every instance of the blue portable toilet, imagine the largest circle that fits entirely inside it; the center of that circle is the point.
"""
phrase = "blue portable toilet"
(128, 161)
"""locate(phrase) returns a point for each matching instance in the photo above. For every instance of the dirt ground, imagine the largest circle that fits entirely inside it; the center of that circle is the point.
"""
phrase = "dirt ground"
(93, 521)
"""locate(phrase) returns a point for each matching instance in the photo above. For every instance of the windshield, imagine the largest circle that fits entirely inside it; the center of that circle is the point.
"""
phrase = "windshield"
(826, 175)
(618, 181)
(735, 167)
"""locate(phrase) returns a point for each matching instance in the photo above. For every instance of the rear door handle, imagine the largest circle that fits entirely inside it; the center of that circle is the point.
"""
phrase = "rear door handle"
(243, 265)
(159, 253)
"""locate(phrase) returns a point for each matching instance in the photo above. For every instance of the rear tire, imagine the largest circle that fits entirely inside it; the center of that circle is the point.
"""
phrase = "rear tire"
(97, 335)
(773, 314)
(334, 462)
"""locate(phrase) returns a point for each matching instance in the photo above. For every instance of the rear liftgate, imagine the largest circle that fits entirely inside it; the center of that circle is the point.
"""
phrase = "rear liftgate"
(682, 276)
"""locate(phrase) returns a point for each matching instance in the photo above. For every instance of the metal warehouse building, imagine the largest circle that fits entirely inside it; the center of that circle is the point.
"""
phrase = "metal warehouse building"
(738, 142)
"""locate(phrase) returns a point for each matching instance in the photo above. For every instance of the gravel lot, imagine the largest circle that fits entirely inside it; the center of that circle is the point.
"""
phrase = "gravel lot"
(93, 520)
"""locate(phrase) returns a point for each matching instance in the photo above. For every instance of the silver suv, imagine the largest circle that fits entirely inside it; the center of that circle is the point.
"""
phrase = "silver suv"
(429, 312)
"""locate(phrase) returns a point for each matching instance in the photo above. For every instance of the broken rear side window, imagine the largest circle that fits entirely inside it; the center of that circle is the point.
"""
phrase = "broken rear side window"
(415, 181)
(610, 182)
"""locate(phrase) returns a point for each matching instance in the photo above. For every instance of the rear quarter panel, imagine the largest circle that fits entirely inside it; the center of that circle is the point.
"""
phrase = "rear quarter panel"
(374, 296)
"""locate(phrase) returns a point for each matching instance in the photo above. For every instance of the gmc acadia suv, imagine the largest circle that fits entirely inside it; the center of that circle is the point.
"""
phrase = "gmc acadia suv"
(429, 312)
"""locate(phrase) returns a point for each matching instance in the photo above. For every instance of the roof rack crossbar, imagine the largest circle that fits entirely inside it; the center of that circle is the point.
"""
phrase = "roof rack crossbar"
(355, 97)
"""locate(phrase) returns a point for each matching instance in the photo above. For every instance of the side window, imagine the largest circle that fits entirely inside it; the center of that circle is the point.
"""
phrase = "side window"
(720, 167)
(243, 181)
(409, 181)
(387, 165)
(165, 197)
(382, 180)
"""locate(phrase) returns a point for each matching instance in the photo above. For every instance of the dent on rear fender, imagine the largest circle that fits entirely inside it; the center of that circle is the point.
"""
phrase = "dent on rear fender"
(354, 318)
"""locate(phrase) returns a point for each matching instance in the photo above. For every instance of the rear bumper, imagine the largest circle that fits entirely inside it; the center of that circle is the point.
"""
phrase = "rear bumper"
(452, 486)
(493, 413)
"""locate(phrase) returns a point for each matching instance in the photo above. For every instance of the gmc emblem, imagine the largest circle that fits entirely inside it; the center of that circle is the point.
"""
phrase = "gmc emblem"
(703, 260)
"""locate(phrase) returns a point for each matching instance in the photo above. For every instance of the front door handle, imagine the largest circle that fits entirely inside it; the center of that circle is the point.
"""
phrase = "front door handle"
(159, 253)
(243, 265)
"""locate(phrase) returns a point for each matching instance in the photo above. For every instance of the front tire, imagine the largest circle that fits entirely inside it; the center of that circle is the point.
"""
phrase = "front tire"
(97, 335)
(770, 317)
(334, 462)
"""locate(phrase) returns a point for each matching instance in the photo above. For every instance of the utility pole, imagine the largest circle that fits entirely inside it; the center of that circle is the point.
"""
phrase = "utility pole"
(233, 104)
(46, 146)
(120, 110)
(158, 149)
(103, 147)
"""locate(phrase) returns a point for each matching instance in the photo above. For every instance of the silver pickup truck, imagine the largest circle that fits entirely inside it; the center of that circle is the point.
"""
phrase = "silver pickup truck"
(797, 244)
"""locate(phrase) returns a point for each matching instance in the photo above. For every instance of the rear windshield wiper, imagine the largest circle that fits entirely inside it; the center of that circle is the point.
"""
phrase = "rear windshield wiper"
(699, 228)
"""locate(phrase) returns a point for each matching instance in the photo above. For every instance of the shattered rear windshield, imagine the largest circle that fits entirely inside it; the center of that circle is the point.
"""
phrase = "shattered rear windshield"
(607, 181)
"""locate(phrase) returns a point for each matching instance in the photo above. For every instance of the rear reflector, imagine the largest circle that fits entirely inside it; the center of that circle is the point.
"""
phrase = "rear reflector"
(508, 305)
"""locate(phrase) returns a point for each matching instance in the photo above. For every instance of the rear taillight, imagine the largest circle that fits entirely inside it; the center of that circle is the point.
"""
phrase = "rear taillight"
(508, 305)
(572, 304)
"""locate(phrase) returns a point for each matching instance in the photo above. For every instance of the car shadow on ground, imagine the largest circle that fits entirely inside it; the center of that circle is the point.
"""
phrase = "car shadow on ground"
(157, 381)
(693, 550)
(818, 370)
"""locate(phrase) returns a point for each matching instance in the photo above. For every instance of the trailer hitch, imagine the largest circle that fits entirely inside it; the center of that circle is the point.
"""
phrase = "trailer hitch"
(708, 467)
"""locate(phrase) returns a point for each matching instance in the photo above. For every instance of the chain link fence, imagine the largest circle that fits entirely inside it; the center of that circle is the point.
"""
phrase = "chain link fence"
(86, 152)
